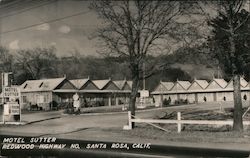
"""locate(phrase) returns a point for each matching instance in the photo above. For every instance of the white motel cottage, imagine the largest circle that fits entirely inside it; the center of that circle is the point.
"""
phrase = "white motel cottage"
(41, 92)
(61, 90)
(198, 91)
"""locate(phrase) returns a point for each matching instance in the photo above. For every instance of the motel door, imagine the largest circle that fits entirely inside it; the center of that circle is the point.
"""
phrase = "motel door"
(196, 98)
(215, 96)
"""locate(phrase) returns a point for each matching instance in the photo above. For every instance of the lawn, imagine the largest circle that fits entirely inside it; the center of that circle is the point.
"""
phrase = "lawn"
(194, 133)
(147, 132)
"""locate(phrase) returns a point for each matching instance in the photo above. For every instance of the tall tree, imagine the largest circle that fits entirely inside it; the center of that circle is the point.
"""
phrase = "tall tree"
(37, 62)
(231, 47)
(6, 60)
(134, 29)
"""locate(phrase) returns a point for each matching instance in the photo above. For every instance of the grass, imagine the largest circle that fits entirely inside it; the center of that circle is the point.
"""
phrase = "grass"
(147, 132)
(193, 133)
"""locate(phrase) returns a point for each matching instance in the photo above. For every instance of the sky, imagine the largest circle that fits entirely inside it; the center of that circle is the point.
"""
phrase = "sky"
(67, 35)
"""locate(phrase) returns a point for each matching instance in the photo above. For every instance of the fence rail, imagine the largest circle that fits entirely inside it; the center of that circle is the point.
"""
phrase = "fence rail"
(179, 122)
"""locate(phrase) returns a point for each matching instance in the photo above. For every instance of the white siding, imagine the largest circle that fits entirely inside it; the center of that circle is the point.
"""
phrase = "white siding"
(191, 98)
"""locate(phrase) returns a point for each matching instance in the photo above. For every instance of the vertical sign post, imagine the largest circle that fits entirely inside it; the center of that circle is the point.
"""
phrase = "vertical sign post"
(13, 93)
(179, 124)
(2, 85)
(10, 100)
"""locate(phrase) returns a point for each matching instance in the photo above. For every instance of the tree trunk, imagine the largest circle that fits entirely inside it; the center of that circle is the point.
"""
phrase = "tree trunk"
(135, 87)
(237, 123)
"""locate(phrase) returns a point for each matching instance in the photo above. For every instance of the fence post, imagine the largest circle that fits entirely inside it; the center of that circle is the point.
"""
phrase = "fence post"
(179, 123)
(129, 120)
(129, 126)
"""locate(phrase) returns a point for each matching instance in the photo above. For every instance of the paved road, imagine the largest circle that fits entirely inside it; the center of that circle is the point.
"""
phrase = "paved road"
(63, 124)
(71, 123)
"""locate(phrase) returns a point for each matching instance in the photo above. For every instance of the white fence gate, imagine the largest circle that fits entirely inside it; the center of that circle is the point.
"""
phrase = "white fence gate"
(179, 122)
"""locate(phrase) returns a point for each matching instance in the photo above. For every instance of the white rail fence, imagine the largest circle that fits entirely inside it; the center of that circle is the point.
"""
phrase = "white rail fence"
(179, 122)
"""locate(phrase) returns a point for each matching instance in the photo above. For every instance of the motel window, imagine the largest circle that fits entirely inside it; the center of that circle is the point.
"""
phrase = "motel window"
(245, 97)
(46, 98)
(24, 99)
(205, 99)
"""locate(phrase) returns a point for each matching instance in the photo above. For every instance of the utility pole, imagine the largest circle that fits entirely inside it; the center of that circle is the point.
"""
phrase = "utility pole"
(2, 84)
(144, 81)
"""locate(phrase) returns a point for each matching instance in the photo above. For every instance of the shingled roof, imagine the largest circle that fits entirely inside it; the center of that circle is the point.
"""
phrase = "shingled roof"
(243, 83)
(221, 82)
(101, 83)
(184, 84)
(202, 83)
(130, 83)
(120, 83)
(78, 83)
(167, 85)
(41, 85)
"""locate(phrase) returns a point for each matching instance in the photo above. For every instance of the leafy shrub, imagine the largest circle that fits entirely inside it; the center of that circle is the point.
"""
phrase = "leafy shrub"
(166, 102)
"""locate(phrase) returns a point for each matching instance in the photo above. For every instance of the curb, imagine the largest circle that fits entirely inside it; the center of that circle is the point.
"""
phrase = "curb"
(43, 120)
(111, 113)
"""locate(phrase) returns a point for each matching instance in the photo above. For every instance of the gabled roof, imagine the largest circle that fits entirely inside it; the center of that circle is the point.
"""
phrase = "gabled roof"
(184, 84)
(120, 83)
(167, 85)
(78, 83)
(202, 83)
(41, 85)
(130, 83)
(101, 83)
(163, 87)
(216, 85)
(243, 83)
(180, 86)
(220, 82)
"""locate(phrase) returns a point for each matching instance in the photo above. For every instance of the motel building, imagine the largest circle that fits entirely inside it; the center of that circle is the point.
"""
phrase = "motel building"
(41, 92)
(198, 91)
(102, 92)
(92, 93)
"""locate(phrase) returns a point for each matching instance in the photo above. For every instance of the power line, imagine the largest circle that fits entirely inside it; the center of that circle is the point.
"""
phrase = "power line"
(49, 21)
(8, 5)
(28, 9)
(17, 4)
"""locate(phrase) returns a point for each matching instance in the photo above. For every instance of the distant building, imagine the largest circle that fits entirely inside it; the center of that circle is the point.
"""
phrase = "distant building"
(198, 91)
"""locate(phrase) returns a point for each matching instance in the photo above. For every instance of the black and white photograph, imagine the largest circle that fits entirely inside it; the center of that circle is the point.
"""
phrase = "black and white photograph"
(124, 79)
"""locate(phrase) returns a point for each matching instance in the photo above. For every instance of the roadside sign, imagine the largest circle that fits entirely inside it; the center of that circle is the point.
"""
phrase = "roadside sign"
(14, 108)
(11, 92)
(75, 97)
(6, 110)
(76, 103)
(144, 93)
(5, 79)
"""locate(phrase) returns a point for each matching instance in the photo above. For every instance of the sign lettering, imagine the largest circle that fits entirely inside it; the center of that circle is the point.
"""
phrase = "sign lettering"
(11, 92)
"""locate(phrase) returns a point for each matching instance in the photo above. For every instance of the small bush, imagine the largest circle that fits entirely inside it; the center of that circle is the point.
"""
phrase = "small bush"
(54, 105)
(166, 102)
(34, 107)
